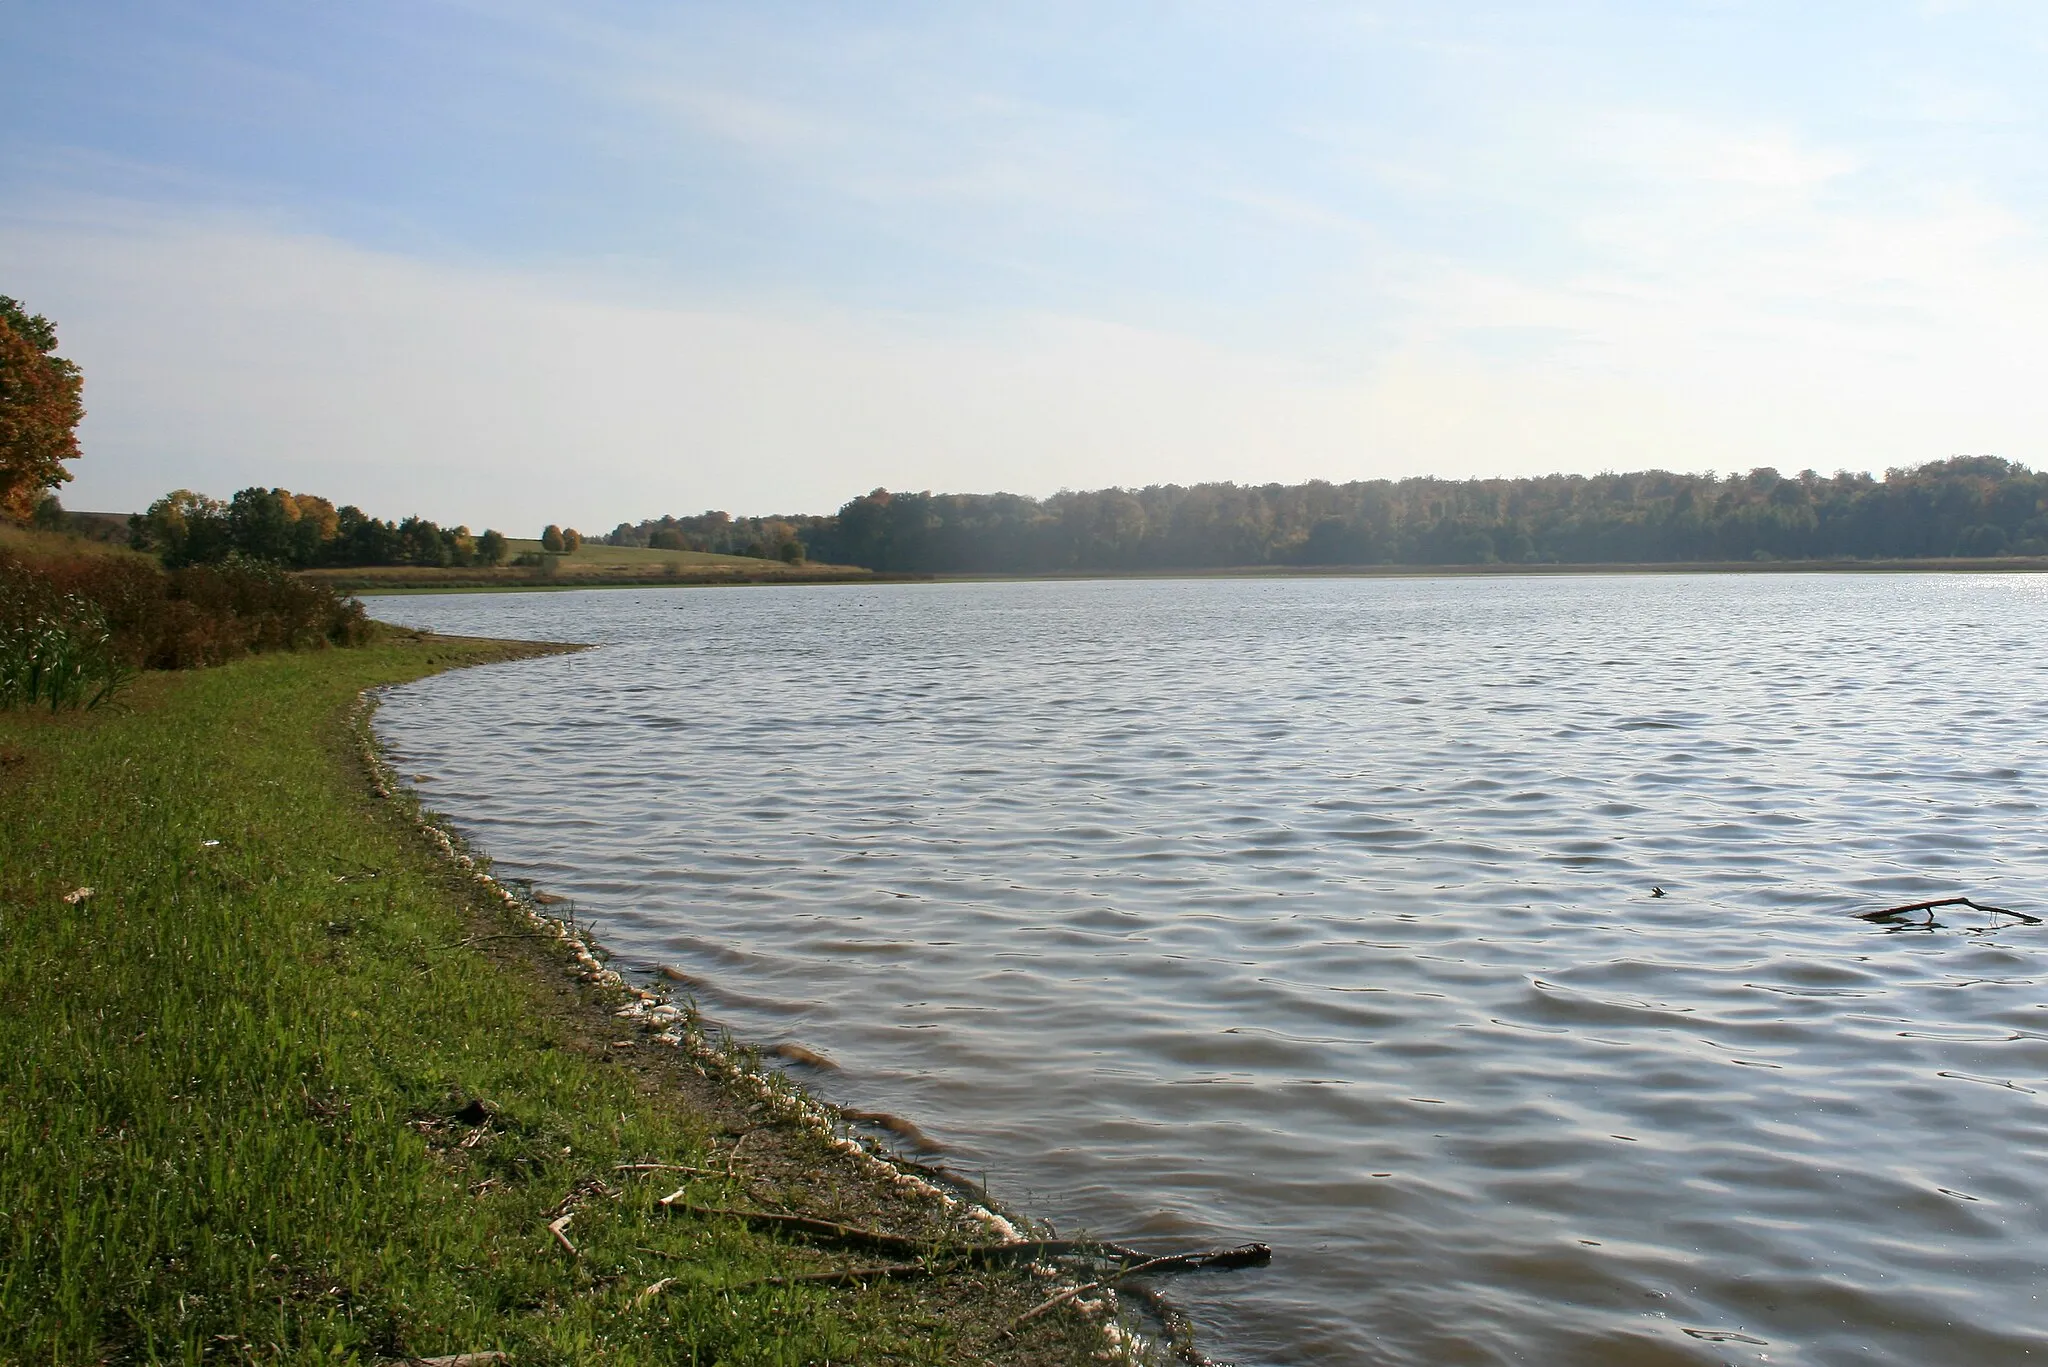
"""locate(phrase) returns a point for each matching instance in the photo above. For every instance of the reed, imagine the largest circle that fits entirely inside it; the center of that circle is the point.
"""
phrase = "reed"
(56, 649)
(75, 629)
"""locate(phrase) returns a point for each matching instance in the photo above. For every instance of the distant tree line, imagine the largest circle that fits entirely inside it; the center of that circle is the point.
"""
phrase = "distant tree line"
(764, 538)
(1966, 506)
(301, 531)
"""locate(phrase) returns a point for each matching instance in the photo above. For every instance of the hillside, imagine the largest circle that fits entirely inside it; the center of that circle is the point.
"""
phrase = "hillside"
(593, 565)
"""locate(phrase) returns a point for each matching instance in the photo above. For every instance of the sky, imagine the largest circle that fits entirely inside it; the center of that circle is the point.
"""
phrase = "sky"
(508, 262)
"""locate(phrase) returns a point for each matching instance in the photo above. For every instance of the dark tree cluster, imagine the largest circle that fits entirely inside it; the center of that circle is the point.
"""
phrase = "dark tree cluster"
(764, 538)
(302, 531)
(1966, 506)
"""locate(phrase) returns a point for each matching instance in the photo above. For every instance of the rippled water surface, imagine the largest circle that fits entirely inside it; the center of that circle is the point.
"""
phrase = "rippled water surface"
(1319, 912)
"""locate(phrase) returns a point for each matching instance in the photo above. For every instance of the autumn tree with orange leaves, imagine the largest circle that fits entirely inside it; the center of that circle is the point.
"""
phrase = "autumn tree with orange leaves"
(41, 404)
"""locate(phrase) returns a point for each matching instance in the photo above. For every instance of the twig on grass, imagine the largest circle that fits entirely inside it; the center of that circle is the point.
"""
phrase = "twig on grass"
(665, 1167)
(556, 1228)
(735, 1157)
(852, 1276)
(506, 935)
(845, 1234)
(973, 1254)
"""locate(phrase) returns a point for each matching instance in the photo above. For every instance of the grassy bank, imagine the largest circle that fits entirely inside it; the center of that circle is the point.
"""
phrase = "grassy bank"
(284, 1087)
(594, 565)
(34, 541)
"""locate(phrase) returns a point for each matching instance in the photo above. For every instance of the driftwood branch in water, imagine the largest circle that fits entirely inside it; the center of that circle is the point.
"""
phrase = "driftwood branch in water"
(1245, 1255)
(1929, 908)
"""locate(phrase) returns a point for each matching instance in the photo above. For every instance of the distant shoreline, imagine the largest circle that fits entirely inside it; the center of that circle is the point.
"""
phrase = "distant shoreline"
(411, 580)
(2028, 564)
(419, 581)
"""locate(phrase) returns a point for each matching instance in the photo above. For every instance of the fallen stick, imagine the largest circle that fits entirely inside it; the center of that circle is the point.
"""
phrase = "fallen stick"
(556, 1228)
(1052, 1248)
(896, 1243)
(853, 1276)
(1929, 907)
(940, 1173)
(458, 1360)
(1245, 1255)
(665, 1167)
(846, 1234)
(898, 1126)
(479, 939)
(734, 1157)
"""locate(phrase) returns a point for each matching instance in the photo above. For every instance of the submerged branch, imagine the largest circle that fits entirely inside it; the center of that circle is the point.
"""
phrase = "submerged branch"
(1929, 908)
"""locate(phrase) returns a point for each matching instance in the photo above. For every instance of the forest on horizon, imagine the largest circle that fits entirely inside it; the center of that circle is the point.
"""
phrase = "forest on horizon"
(1966, 506)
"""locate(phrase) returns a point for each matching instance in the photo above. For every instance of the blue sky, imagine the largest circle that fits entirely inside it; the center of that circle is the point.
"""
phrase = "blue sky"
(520, 262)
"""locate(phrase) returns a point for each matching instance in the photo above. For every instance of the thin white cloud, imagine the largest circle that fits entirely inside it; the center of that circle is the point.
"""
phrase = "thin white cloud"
(1530, 255)
(220, 354)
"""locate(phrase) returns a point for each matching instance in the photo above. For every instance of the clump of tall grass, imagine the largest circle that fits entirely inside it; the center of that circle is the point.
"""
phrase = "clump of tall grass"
(56, 649)
(75, 629)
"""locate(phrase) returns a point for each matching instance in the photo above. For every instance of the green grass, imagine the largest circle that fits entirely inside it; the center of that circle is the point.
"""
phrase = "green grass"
(228, 1076)
(32, 541)
(592, 566)
(595, 556)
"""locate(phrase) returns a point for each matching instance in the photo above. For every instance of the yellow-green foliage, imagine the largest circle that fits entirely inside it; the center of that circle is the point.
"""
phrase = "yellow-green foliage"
(227, 1075)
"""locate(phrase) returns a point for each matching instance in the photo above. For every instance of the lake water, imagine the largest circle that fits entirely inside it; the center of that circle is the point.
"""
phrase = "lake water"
(1320, 912)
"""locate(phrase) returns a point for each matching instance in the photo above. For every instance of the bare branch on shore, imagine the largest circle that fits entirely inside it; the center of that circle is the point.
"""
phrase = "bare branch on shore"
(853, 1276)
(1245, 1255)
(479, 939)
(825, 1229)
(665, 1167)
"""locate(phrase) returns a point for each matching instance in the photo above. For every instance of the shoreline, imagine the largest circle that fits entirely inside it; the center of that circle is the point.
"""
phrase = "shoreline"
(736, 1068)
(401, 579)
(464, 582)
(649, 1006)
(267, 1026)
(1945, 565)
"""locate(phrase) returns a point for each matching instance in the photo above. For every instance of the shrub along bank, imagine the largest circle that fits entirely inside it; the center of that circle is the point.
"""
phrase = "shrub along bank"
(276, 1086)
(75, 629)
